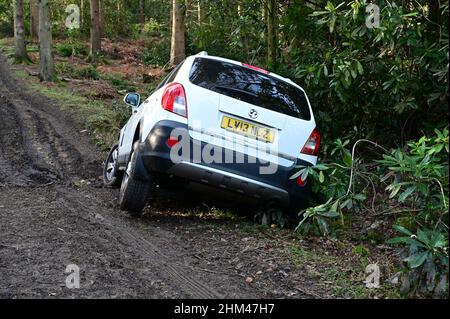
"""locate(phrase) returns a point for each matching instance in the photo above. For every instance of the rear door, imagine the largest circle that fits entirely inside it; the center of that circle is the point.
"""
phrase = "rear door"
(227, 101)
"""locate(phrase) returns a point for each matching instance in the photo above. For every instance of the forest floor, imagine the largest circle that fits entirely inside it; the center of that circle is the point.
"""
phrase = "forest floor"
(54, 212)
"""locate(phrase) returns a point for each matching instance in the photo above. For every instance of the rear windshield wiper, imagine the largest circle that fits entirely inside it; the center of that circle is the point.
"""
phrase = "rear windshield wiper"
(227, 88)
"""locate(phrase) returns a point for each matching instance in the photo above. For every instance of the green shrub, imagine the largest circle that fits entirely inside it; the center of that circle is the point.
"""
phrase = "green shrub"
(157, 53)
(64, 69)
(415, 178)
(119, 83)
(153, 28)
(419, 175)
(361, 250)
(72, 49)
(6, 28)
(426, 256)
(88, 72)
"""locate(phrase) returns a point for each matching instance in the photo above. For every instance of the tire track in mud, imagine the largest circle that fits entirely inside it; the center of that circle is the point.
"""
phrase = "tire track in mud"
(171, 270)
(38, 147)
(49, 148)
(24, 146)
(9, 152)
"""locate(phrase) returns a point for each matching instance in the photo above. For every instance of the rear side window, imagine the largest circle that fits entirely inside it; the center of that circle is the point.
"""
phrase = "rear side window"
(170, 77)
(250, 86)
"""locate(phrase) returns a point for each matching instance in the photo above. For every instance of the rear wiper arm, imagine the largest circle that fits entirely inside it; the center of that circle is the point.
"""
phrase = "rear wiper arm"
(226, 88)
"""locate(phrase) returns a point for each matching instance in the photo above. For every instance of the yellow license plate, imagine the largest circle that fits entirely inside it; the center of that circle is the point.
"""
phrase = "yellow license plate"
(248, 129)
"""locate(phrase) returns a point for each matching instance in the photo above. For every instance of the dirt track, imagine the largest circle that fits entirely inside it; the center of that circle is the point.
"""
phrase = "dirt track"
(54, 212)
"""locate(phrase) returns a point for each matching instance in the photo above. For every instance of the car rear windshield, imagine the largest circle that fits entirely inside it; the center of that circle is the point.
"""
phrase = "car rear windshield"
(250, 86)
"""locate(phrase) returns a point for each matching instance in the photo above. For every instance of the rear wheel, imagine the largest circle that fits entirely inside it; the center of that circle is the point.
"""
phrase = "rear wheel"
(112, 176)
(133, 192)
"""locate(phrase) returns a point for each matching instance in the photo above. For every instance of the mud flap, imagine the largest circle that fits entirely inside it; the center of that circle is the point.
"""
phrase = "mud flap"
(140, 171)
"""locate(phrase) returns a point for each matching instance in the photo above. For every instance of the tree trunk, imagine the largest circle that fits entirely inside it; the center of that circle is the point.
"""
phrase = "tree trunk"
(272, 45)
(20, 51)
(95, 31)
(177, 50)
(46, 70)
(142, 12)
(200, 12)
(119, 12)
(81, 14)
(34, 20)
(101, 18)
(434, 14)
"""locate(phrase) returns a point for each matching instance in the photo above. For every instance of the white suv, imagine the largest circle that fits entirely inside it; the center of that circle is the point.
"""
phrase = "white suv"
(220, 123)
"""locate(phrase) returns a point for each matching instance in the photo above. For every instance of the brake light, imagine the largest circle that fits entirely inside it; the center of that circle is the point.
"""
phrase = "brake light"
(255, 68)
(172, 141)
(312, 144)
(174, 99)
(300, 182)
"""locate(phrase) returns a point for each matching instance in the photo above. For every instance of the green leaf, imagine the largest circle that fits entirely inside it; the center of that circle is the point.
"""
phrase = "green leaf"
(318, 13)
(321, 167)
(360, 68)
(417, 260)
(305, 175)
(321, 177)
(395, 189)
(335, 206)
(323, 225)
(406, 194)
(437, 240)
(403, 230)
(330, 214)
(360, 197)
(348, 159)
(296, 174)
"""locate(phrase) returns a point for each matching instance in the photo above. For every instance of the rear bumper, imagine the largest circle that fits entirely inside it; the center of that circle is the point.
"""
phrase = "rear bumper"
(229, 181)
(242, 177)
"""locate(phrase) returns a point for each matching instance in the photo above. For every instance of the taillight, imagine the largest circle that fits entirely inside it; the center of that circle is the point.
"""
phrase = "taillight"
(255, 68)
(312, 144)
(301, 182)
(174, 99)
(172, 141)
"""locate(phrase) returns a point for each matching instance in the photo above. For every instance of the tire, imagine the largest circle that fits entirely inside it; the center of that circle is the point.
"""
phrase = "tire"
(133, 192)
(293, 212)
(112, 176)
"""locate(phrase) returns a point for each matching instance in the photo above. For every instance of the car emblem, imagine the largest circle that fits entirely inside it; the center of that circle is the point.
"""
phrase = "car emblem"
(253, 114)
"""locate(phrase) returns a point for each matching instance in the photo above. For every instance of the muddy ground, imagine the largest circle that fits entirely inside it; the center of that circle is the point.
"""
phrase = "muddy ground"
(55, 212)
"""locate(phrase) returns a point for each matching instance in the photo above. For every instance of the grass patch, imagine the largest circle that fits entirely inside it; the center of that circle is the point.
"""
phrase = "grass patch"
(338, 274)
(118, 82)
(156, 53)
(7, 48)
(86, 72)
(69, 49)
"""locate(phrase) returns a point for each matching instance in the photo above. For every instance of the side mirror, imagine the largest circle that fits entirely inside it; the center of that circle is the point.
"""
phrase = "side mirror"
(133, 100)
